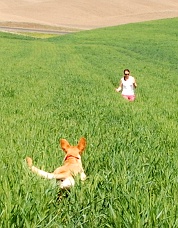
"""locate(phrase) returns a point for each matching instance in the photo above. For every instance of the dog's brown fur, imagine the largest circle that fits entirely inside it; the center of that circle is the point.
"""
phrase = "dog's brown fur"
(71, 167)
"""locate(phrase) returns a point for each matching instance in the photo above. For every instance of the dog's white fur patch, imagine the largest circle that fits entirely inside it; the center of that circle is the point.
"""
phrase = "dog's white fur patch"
(67, 183)
(82, 176)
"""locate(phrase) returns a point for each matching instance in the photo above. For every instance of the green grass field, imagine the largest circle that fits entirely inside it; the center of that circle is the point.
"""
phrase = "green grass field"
(64, 87)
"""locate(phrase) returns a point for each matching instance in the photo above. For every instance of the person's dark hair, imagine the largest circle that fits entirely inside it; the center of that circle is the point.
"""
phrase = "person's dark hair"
(126, 70)
(124, 73)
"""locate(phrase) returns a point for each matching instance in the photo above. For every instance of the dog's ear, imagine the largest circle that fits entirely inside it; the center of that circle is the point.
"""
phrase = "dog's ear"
(82, 144)
(64, 145)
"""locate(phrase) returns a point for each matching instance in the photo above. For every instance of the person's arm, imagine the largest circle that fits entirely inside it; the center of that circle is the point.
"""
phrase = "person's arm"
(134, 83)
(120, 87)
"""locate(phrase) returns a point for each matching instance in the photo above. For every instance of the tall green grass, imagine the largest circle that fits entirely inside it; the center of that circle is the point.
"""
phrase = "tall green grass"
(63, 87)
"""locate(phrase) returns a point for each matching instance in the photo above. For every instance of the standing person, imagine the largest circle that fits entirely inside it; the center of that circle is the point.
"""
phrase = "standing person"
(127, 86)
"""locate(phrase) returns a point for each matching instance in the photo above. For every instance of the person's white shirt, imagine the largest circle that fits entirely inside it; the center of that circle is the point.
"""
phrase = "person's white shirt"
(128, 86)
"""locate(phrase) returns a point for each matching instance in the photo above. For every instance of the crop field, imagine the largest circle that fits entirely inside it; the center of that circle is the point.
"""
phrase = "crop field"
(64, 87)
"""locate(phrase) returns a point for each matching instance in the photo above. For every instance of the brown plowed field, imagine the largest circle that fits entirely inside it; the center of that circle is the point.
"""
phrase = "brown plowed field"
(85, 14)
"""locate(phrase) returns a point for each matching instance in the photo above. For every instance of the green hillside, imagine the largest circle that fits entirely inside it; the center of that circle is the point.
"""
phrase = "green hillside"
(64, 87)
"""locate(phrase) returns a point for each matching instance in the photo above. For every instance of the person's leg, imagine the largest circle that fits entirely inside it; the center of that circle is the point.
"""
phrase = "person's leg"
(125, 97)
(131, 98)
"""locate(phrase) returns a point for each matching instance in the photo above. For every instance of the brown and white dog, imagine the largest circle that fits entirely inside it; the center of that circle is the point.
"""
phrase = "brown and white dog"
(71, 167)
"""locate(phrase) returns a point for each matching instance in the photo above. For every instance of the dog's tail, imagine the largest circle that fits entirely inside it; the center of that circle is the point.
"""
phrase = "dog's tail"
(43, 173)
(40, 172)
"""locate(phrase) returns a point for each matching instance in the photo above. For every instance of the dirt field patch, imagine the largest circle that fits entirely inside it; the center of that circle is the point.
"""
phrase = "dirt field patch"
(83, 14)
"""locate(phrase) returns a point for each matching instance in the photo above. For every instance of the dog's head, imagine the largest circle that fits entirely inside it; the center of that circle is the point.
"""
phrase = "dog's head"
(73, 151)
